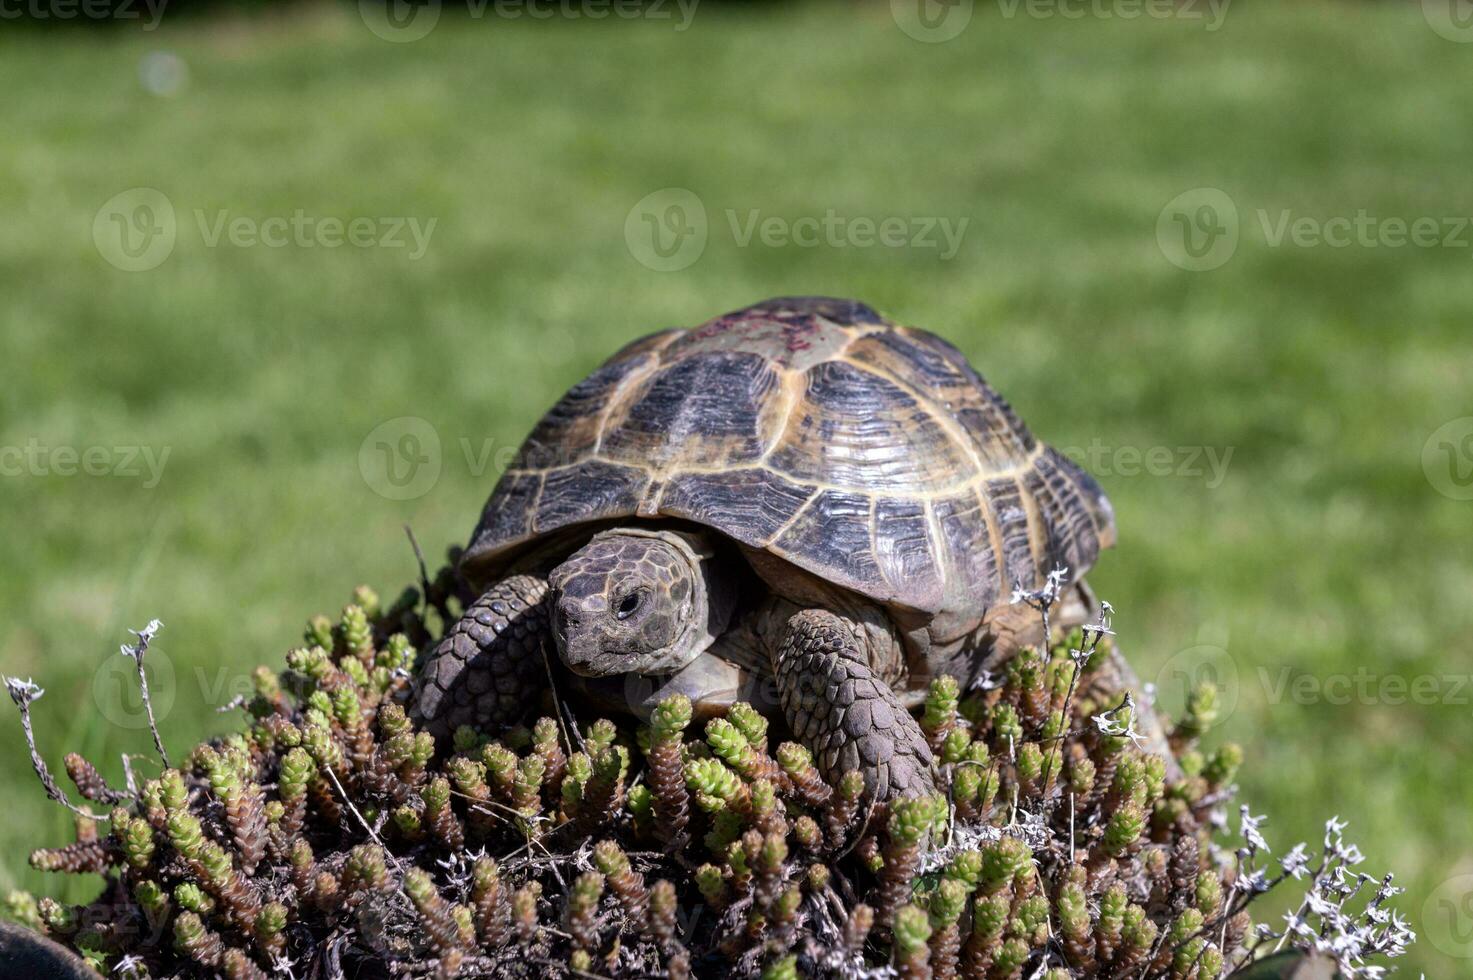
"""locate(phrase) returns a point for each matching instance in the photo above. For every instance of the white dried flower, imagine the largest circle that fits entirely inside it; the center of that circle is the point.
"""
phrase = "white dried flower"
(1120, 722)
(23, 691)
(1296, 862)
(1043, 598)
(145, 637)
(1252, 883)
(1251, 833)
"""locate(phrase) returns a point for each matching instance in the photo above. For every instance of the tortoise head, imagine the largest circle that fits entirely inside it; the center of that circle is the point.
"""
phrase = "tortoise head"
(630, 601)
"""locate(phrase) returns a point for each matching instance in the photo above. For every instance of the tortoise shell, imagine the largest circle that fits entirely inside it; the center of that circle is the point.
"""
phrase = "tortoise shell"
(869, 454)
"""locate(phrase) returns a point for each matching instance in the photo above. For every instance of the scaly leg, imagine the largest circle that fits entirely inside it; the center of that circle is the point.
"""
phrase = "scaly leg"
(490, 666)
(846, 715)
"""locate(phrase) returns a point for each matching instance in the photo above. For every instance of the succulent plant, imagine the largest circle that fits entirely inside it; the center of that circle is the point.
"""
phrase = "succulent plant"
(330, 825)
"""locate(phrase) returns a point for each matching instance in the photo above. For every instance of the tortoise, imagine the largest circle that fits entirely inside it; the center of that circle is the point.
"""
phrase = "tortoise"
(799, 504)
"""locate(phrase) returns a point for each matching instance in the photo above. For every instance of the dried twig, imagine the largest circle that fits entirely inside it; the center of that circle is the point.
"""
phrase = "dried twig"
(23, 693)
(137, 652)
(424, 572)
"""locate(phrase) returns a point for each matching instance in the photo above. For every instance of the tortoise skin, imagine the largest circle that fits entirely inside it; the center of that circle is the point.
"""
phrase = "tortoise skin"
(867, 454)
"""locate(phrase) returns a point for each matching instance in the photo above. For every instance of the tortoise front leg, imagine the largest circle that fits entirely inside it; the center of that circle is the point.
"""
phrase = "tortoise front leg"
(491, 665)
(844, 714)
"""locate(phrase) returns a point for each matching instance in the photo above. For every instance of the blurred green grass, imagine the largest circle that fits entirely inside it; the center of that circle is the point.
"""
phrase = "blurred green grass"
(1324, 551)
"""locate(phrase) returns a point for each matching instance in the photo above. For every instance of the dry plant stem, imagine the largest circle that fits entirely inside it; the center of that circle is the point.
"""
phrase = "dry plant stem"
(1092, 640)
(424, 572)
(372, 834)
(23, 693)
(137, 652)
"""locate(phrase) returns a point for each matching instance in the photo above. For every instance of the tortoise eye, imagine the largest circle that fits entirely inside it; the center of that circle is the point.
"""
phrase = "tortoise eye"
(629, 603)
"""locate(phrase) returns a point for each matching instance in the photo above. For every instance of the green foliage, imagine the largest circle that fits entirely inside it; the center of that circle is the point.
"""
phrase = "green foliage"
(910, 820)
(258, 847)
(912, 929)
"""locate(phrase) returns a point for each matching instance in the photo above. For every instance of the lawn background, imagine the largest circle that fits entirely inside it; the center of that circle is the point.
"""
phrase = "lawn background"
(1324, 551)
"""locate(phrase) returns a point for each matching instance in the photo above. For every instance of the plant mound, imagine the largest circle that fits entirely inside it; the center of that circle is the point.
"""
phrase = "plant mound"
(331, 837)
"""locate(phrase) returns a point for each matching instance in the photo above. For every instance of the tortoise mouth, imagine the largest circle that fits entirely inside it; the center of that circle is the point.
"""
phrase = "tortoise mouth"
(586, 669)
(589, 660)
